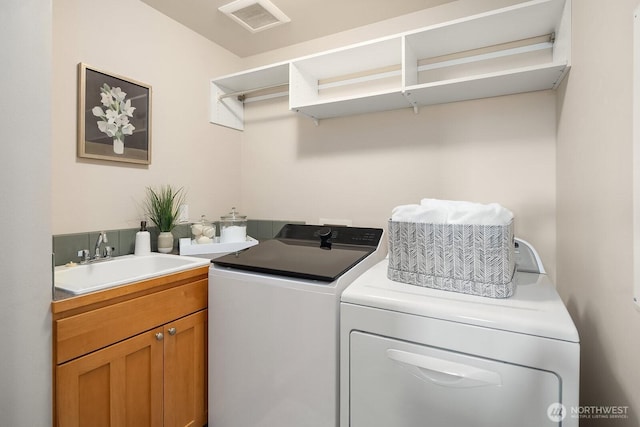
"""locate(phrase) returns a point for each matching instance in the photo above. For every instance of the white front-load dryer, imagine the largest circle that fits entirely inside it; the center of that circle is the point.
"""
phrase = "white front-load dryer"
(414, 356)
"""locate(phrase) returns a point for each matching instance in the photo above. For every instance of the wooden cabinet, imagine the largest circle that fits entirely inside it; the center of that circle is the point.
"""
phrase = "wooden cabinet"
(519, 48)
(185, 373)
(152, 370)
(121, 385)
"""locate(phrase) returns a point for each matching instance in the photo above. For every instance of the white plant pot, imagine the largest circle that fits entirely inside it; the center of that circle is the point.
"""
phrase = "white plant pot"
(165, 242)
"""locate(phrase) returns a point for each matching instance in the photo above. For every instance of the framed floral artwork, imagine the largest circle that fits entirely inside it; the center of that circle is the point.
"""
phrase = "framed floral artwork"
(114, 117)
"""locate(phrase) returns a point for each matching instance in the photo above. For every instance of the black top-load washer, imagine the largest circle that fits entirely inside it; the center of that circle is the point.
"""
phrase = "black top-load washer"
(307, 251)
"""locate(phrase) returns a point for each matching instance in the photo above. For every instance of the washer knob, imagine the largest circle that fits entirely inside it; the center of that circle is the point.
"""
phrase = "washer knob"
(325, 235)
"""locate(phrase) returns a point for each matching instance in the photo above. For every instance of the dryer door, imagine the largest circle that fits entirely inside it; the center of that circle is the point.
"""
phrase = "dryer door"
(400, 384)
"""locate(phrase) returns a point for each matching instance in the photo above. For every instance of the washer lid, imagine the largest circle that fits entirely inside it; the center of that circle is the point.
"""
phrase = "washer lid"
(307, 251)
(534, 309)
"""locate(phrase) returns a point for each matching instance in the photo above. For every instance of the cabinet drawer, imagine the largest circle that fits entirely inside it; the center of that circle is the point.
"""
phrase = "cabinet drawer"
(90, 331)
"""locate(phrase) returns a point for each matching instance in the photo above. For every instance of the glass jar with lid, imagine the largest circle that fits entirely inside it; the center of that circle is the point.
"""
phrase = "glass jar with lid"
(203, 231)
(233, 227)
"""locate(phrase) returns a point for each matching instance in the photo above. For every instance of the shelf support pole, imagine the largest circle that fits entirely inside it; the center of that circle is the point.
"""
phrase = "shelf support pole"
(241, 95)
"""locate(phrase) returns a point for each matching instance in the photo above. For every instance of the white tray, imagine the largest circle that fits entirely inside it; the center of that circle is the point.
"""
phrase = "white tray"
(188, 247)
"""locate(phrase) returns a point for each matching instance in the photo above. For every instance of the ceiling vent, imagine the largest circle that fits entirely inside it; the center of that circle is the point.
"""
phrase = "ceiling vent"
(255, 15)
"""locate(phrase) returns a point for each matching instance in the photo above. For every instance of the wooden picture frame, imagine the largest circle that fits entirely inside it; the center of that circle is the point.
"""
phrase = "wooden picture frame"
(114, 117)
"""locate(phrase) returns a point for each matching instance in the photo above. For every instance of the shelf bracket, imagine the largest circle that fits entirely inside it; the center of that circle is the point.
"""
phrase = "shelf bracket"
(414, 104)
(316, 121)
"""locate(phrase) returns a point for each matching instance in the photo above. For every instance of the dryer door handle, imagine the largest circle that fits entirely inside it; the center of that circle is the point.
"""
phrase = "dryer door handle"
(444, 372)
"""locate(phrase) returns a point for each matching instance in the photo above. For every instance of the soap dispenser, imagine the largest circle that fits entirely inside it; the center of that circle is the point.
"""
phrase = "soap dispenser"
(143, 240)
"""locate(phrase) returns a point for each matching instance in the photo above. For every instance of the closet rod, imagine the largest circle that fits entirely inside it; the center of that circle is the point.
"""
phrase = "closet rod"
(241, 94)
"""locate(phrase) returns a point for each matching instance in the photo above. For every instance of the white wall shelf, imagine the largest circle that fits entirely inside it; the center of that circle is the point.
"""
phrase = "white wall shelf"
(508, 82)
(227, 107)
(520, 48)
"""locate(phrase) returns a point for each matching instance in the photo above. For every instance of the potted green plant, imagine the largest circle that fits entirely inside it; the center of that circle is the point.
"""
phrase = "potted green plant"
(162, 206)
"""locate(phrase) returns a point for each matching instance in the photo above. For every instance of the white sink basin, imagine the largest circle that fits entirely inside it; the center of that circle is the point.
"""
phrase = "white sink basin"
(82, 278)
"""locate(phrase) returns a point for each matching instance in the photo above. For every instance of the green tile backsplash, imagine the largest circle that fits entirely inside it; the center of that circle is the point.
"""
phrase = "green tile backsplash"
(66, 246)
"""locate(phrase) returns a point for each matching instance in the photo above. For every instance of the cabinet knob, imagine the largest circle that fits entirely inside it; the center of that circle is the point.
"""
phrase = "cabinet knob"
(159, 336)
(172, 331)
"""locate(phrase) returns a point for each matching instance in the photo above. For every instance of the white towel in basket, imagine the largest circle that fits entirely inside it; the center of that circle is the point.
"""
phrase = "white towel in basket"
(453, 212)
(418, 213)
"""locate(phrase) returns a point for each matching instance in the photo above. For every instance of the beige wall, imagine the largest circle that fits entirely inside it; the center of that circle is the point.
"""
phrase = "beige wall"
(131, 39)
(595, 204)
(358, 168)
(25, 199)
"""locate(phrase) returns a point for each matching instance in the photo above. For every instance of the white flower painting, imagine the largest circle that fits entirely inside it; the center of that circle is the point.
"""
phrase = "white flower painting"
(114, 116)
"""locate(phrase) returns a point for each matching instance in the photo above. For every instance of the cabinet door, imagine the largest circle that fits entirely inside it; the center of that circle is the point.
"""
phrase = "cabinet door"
(120, 385)
(185, 371)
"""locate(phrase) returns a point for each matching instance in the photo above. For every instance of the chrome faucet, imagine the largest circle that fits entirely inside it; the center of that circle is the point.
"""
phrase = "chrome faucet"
(98, 255)
(102, 238)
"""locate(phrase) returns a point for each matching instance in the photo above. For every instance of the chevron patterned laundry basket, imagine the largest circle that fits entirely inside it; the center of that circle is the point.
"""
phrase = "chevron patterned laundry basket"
(471, 259)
